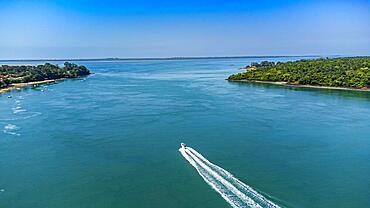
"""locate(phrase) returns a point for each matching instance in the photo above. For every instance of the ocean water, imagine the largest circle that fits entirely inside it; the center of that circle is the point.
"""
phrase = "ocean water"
(112, 139)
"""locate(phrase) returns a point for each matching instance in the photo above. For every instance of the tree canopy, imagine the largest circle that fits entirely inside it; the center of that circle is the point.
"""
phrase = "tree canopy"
(351, 72)
(22, 74)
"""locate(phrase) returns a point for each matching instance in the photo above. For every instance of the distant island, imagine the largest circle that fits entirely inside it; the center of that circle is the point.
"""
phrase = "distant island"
(337, 73)
(146, 58)
(18, 76)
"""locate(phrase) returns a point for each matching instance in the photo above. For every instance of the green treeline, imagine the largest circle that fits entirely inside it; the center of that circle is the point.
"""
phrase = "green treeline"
(22, 74)
(351, 72)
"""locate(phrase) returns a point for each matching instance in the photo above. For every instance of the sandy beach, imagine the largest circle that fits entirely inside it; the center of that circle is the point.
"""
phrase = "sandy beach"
(20, 85)
(303, 86)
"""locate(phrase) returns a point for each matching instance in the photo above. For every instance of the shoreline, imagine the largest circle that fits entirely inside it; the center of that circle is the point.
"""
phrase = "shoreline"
(302, 86)
(25, 84)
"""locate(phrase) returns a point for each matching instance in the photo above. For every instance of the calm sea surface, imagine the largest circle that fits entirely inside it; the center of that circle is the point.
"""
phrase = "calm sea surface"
(111, 139)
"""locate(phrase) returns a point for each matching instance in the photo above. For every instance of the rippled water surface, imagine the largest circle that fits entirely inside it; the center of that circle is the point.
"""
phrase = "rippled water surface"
(112, 139)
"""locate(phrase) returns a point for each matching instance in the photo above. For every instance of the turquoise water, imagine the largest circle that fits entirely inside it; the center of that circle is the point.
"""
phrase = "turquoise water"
(112, 139)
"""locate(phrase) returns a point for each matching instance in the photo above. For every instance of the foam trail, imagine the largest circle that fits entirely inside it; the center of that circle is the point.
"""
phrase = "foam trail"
(234, 191)
(211, 182)
(253, 193)
(247, 200)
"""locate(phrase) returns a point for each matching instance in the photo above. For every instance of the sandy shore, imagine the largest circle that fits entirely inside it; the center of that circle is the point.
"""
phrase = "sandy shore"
(20, 85)
(303, 86)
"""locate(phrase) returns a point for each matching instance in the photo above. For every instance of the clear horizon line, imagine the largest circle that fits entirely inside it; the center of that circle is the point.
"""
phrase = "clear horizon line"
(160, 58)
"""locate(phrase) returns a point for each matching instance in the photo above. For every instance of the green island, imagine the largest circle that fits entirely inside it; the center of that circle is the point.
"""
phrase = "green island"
(18, 76)
(337, 73)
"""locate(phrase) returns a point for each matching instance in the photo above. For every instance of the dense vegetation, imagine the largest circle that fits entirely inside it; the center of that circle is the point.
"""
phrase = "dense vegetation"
(22, 74)
(335, 72)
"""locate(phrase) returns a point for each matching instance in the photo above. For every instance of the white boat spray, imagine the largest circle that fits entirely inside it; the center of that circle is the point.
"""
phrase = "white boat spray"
(234, 191)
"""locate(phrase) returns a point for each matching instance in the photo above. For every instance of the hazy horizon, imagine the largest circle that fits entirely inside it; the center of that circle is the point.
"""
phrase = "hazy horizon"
(167, 58)
(141, 29)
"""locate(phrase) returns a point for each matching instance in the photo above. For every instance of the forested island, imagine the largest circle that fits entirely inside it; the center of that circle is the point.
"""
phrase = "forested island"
(11, 75)
(349, 73)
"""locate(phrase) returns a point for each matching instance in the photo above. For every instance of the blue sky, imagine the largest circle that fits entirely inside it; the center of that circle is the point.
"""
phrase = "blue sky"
(144, 28)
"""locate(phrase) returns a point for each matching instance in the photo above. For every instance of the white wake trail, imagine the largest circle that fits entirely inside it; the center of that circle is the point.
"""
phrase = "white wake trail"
(234, 191)
(210, 181)
(235, 181)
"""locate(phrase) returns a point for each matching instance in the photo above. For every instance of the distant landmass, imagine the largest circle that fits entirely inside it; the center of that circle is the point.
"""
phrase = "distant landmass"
(145, 59)
(338, 73)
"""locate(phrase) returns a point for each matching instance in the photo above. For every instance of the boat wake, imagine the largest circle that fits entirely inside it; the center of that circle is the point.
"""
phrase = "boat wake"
(234, 191)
